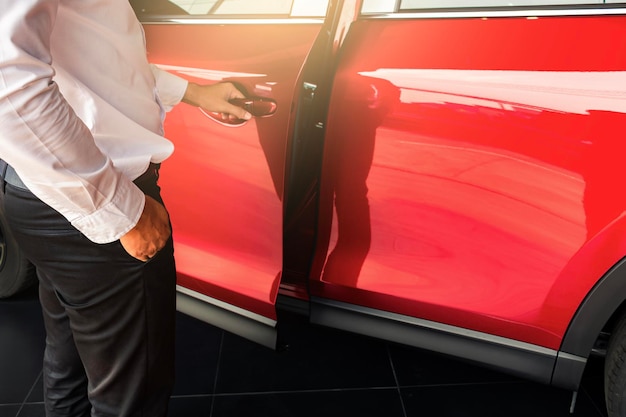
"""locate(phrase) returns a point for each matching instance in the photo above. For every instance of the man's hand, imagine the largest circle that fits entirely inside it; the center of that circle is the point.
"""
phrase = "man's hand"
(150, 233)
(214, 98)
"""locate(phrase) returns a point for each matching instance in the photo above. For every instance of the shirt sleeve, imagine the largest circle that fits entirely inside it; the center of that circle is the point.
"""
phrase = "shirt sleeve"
(170, 87)
(46, 142)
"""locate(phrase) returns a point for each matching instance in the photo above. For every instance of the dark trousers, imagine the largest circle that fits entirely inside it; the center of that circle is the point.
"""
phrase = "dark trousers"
(109, 317)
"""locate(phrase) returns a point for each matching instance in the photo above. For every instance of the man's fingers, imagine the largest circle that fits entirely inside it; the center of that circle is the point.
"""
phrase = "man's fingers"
(238, 112)
(230, 92)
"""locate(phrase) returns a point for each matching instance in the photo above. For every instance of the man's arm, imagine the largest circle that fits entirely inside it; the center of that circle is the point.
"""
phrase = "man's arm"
(213, 98)
(45, 141)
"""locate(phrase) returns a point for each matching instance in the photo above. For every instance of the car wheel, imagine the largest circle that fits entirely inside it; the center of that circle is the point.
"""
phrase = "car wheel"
(615, 371)
(16, 273)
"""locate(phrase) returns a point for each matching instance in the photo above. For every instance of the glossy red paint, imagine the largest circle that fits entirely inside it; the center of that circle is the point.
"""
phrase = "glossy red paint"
(224, 185)
(471, 168)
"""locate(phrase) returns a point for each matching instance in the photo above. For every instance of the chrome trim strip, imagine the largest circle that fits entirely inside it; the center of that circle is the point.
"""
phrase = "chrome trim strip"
(231, 318)
(512, 356)
(573, 358)
(446, 328)
(153, 20)
(482, 14)
(225, 306)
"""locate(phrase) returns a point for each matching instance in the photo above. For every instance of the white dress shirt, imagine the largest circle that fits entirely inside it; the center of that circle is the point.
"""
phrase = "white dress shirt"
(81, 109)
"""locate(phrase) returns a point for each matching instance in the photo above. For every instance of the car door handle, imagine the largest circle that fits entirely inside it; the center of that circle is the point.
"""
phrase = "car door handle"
(256, 106)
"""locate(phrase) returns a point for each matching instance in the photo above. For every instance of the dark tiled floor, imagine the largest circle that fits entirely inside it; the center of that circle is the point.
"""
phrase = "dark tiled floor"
(323, 372)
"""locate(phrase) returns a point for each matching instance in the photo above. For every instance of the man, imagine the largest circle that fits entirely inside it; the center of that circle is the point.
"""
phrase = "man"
(81, 129)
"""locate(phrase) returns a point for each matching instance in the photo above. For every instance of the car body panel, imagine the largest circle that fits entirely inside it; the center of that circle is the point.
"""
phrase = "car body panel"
(469, 180)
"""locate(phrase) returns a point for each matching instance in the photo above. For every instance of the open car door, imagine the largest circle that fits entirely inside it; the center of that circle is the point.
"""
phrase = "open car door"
(223, 186)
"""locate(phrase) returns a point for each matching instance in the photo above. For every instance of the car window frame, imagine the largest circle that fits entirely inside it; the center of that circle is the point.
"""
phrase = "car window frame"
(388, 8)
(296, 11)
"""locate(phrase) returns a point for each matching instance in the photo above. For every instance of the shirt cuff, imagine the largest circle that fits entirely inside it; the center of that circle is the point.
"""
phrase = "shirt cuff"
(113, 220)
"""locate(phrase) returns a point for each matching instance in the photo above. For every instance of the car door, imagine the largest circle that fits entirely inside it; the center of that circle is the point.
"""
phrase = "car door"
(224, 184)
(465, 189)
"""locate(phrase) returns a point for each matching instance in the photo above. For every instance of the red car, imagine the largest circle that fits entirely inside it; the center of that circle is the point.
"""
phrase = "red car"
(444, 174)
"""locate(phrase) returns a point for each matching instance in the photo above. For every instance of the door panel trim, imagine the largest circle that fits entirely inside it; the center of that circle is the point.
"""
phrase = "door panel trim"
(231, 318)
(518, 358)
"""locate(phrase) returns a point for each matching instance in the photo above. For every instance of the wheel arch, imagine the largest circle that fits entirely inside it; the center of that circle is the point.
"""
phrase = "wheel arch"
(605, 300)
